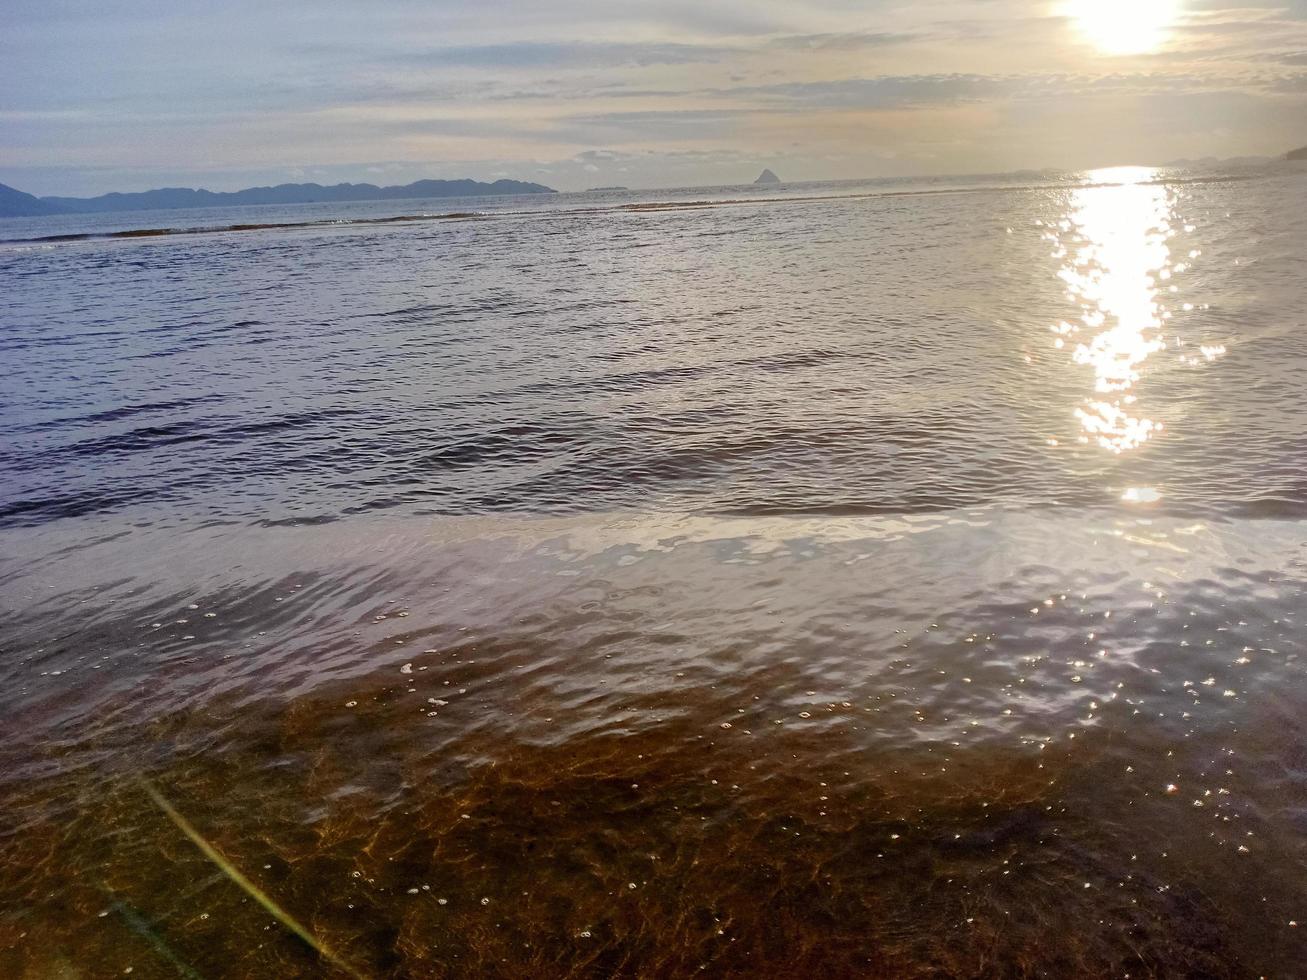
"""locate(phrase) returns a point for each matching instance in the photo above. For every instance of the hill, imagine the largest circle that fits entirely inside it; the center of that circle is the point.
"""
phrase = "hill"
(15, 204)
(1187, 163)
(1298, 154)
(169, 198)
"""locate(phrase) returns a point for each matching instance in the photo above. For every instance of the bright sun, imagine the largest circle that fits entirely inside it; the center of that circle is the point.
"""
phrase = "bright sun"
(1124, 26)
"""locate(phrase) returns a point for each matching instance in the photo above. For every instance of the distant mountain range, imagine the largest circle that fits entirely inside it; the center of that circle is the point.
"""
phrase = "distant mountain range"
(15, 203)
(1298, 154)
(1219, 162)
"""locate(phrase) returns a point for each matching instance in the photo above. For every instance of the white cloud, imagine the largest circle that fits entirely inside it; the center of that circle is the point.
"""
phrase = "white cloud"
(129, 90)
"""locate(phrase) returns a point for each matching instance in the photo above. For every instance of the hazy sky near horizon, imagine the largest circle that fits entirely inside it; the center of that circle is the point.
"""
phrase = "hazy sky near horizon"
(131, 94)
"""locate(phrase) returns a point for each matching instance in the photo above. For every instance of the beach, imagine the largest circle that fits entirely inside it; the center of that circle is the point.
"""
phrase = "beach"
(883, 580)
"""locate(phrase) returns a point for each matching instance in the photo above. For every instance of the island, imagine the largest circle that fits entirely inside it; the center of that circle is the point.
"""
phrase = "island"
(16, 203)
(767, 177)
(596, 190)
(1298, 154)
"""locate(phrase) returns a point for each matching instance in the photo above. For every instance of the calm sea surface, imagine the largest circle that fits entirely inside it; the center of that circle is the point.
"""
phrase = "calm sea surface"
(844, 580)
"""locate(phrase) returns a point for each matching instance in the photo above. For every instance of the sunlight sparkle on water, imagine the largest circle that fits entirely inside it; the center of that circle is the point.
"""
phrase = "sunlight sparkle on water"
(1121, 27)
(1114, 243)
(1141, 495)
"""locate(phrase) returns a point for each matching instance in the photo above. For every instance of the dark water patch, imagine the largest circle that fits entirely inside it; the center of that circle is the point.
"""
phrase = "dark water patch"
(218, 430)
(419, 845)
(141, 233)
(256, 226)
(519, 444)
(638, 749)
(118, 414)
(38, 510)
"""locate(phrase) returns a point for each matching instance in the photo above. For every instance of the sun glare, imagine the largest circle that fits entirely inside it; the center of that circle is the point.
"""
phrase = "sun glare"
(1124, 26)
(1114, 246)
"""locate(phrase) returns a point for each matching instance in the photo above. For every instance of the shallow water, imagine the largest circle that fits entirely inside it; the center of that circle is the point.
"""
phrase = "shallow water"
(892, 585)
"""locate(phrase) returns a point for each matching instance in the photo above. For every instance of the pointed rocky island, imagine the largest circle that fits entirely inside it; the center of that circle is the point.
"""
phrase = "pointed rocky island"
(767, 177)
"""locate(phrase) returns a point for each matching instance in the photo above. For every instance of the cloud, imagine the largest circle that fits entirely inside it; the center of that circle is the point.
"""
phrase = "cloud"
(177, 86)
(522, 56)
(841, 42)
(882, 92)
(1292, 84)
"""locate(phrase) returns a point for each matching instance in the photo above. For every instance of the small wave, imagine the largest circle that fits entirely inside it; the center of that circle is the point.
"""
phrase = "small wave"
(248, 226)
(118, 414)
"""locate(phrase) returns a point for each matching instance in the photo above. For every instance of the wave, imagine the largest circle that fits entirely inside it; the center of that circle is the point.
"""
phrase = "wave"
(249, 226)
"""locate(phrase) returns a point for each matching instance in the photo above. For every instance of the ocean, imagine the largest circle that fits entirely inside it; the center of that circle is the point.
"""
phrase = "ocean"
(894, 578)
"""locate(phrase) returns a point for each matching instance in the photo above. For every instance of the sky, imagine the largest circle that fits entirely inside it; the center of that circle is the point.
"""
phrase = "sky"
(101, 95)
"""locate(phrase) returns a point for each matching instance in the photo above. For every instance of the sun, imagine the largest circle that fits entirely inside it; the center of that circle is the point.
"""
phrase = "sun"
(1124, 26)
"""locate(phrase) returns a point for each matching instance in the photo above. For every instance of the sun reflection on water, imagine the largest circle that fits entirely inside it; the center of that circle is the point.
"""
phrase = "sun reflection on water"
(1113, 244)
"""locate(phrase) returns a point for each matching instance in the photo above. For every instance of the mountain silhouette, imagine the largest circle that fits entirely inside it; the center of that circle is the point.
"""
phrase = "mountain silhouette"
(767, 177)
(15, 203)
(1298, 154)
